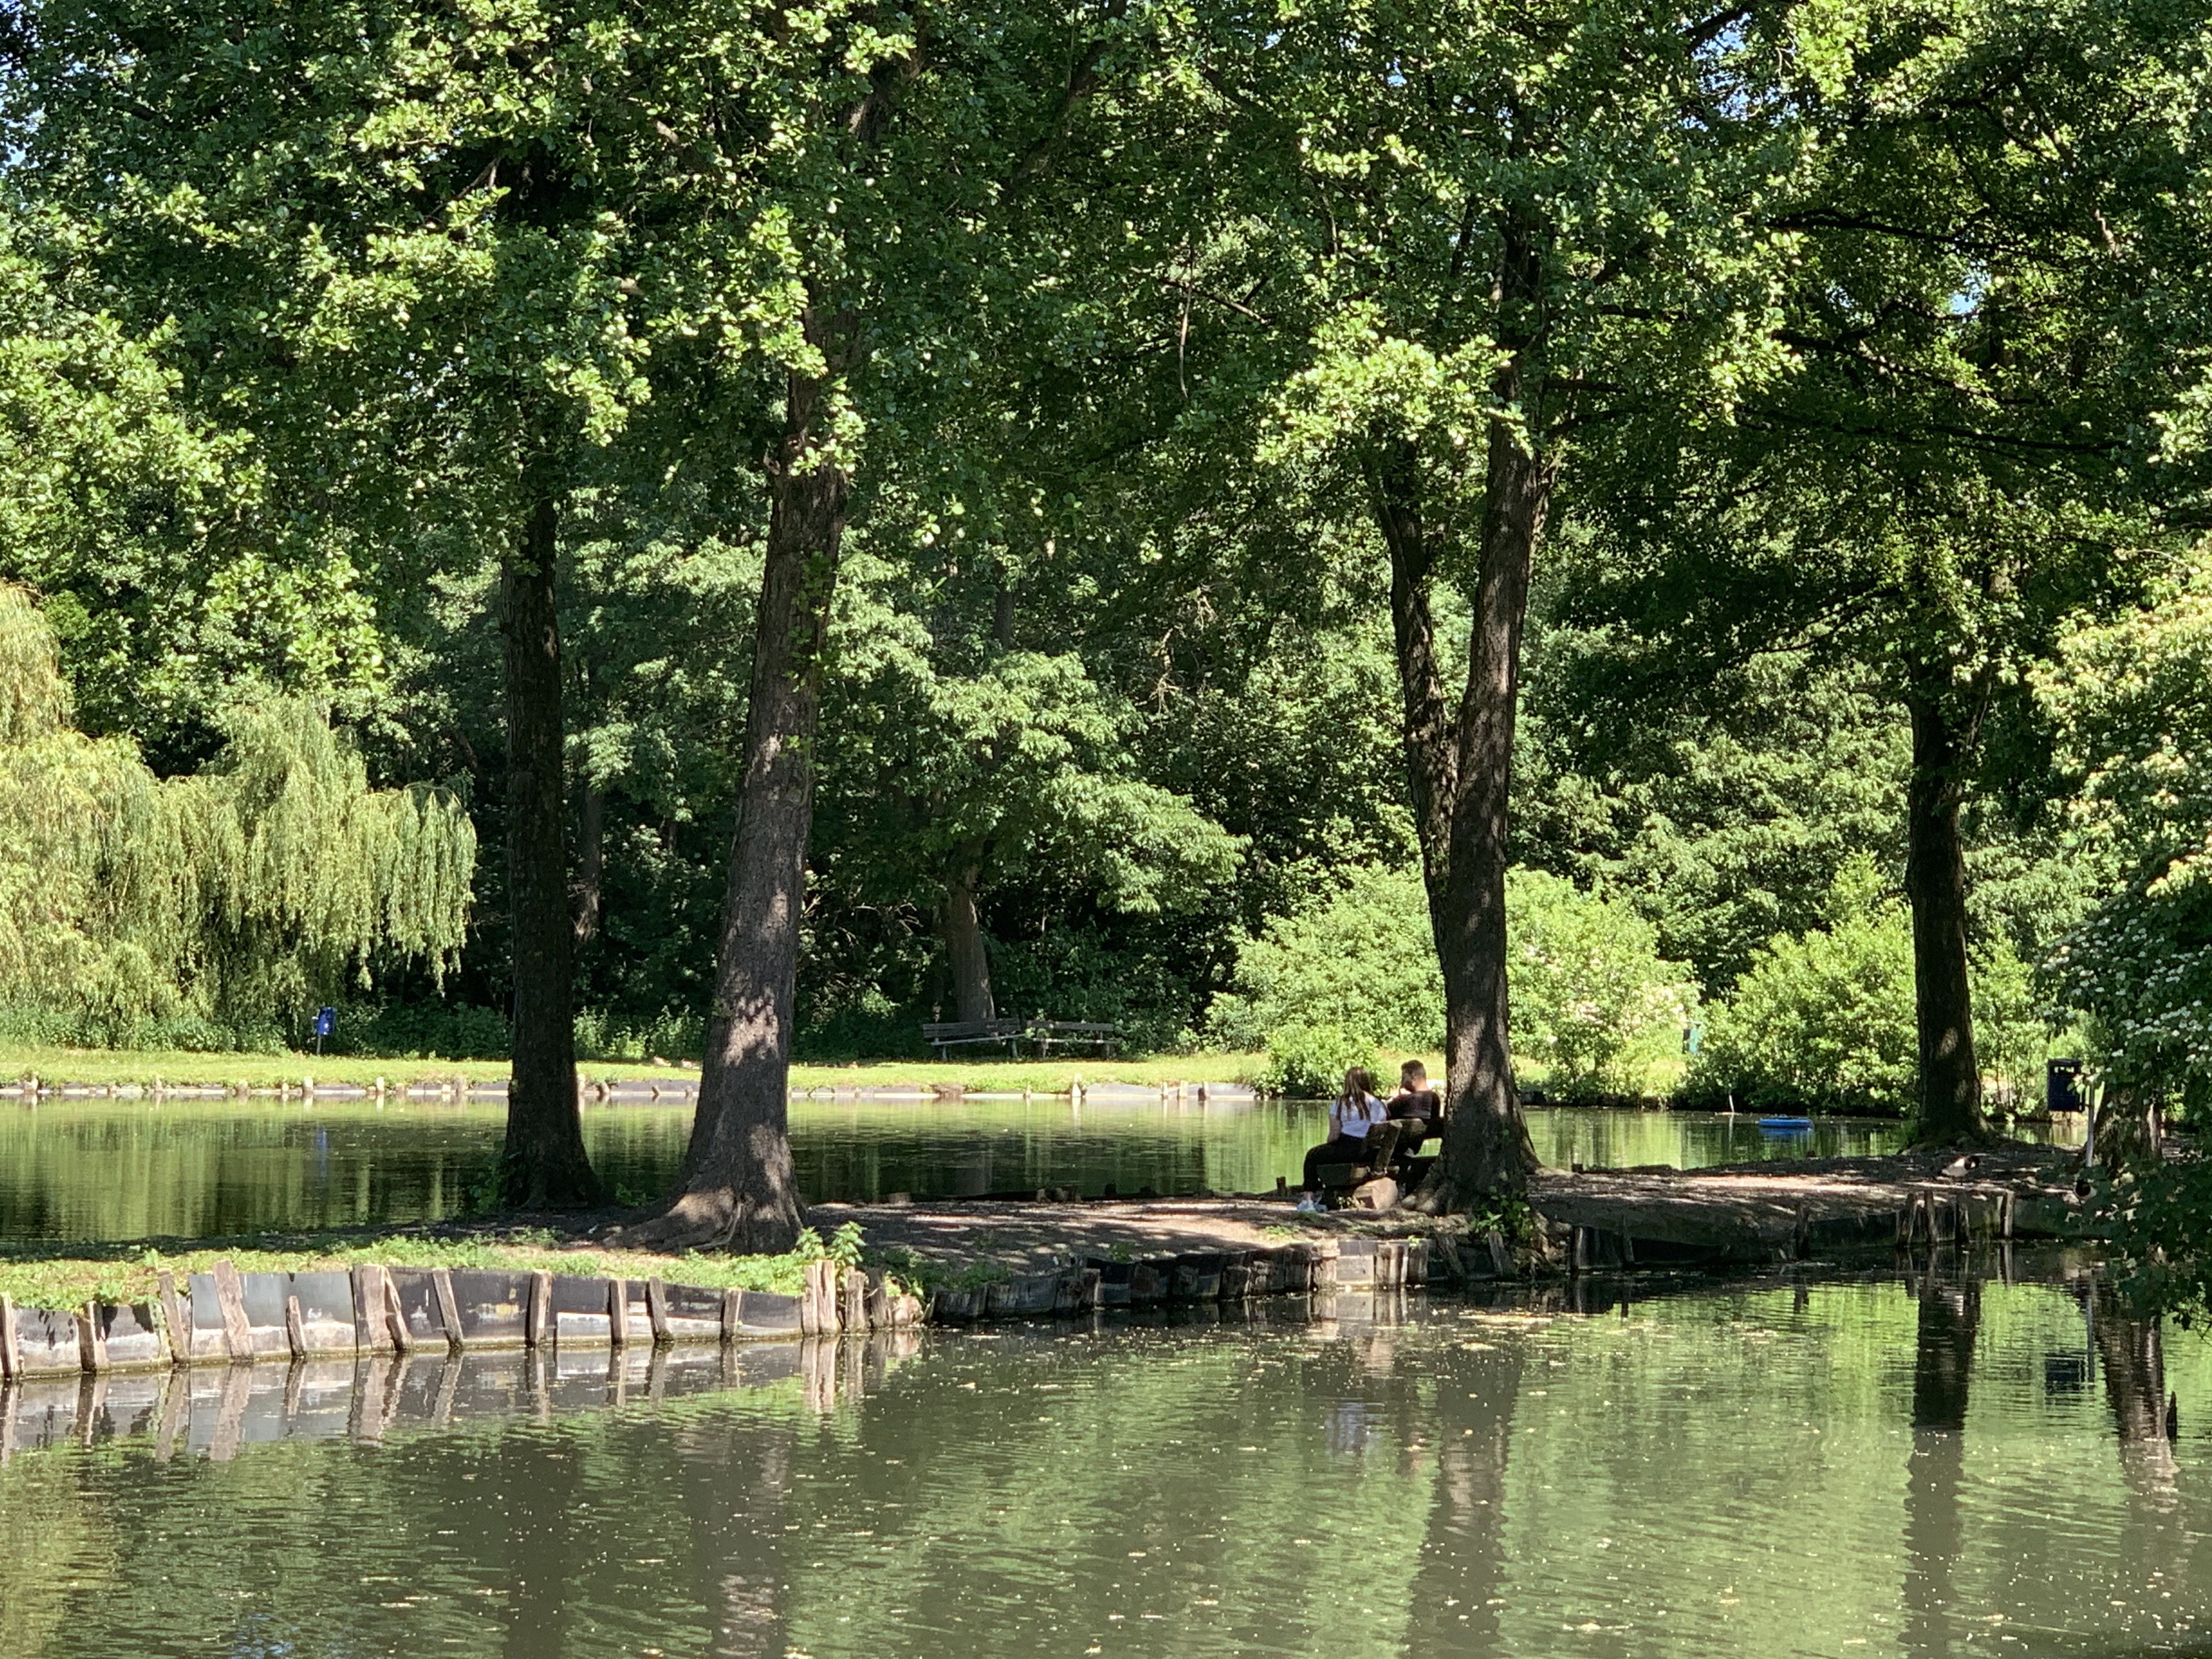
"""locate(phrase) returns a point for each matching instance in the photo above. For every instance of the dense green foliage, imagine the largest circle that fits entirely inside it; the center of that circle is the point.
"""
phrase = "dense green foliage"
(1867, 384)
(228, 902)
(1594, 1007)
(2137, 733)
(1824, 1019)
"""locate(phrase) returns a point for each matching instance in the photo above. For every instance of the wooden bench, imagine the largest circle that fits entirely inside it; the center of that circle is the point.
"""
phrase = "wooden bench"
(1097, 1035)
(954, 1034)
(1046, 1034)
(1388, 1153)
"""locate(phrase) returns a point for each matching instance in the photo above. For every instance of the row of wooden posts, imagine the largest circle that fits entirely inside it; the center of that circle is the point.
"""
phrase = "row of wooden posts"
(223, 1317)
(216, 1411)
(457, 1089)
(29, 1091)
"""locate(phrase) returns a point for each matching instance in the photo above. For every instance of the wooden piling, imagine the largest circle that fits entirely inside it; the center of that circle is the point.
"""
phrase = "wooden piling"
(91, 1340)
(176, 1415)
(371, 1333)
(733, 1314)
(537, 1316)
(656, 1310)
(449, 1307)
(230, 1298)
(618, 1314)
(174, 1315)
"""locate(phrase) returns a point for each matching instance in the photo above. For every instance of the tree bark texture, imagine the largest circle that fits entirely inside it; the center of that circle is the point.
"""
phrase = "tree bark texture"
(543, 1164)
(1431, 753)
(964, 949)
(1460, 772)
(1935, 882)
(591, 864)
(737, 1186)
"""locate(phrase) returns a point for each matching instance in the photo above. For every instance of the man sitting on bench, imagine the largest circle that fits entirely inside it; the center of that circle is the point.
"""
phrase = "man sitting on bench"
(1350, 1116)
(1415, 1108)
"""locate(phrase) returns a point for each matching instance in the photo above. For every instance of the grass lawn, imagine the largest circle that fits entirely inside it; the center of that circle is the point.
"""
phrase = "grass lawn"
(976, 1074)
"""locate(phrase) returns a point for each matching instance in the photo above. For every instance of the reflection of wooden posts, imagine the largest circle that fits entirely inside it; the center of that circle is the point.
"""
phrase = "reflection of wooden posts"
(449, 1391)
(230, 1413)
(176, 1413)
(817, 1373)
(364, 1421)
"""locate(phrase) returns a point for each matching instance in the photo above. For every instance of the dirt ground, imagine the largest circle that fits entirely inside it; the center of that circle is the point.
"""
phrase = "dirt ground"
(1745, 1213)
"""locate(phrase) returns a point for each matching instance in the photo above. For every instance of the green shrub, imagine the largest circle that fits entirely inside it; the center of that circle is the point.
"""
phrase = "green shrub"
(1593, 1002)
(1359, 962)
(1308, 1062)
(1826, 1019)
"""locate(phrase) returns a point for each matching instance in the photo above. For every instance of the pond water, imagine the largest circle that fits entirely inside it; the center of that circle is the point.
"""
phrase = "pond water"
(113, 1171)
(1938, 1465)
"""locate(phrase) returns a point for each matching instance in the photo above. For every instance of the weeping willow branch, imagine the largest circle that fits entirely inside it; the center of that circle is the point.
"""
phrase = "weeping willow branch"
(273, 879)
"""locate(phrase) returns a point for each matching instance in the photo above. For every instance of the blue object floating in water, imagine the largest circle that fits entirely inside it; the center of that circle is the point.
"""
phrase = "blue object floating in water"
(1785, 1126)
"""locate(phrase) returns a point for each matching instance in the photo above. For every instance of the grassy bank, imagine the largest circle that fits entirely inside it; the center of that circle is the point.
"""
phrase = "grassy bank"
(104, 1067)
(57, 1278)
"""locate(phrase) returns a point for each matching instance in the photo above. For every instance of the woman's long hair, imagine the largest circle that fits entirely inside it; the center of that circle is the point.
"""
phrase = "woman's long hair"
(1358, 1085)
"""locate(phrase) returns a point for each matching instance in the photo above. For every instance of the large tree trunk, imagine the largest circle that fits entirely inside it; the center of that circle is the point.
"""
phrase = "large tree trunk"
(964, 950)
(737, 1187)
(1935, 882)
(1459, 774)
(543, 1165)
(1486, 1148)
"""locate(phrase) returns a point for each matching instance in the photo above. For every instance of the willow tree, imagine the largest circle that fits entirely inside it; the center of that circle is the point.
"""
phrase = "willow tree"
(273, 878)
(400, 245)
(1471, 251)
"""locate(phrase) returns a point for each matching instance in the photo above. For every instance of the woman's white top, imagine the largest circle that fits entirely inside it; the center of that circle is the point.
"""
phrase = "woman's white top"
(1354, 1118)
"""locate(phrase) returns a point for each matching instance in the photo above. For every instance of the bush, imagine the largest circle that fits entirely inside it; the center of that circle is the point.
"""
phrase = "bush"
(1826, 1019)
(1308, 1062)
(1359, 961)
(420, 1031)
(1593, 1002)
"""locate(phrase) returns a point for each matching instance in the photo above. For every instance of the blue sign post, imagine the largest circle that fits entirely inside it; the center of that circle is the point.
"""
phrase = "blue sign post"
(326, 1021)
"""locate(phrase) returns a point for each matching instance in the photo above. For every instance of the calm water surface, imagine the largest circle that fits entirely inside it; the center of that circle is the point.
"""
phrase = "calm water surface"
(97, 1170)
(1939, 1467)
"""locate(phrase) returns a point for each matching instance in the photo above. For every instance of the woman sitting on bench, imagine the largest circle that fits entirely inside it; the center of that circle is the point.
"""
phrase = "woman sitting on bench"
(1350, 1116)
